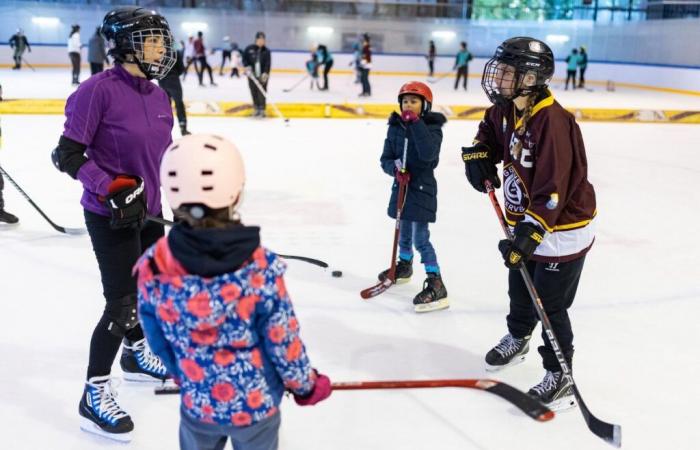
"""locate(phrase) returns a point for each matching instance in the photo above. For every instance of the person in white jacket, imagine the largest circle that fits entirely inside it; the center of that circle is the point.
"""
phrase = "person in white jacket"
(74, 52)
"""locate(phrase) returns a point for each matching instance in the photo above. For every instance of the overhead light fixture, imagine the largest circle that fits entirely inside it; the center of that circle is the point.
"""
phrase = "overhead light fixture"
(557, 38)
(194, 26)
(445, 35)
(319, 30)
(46, 21)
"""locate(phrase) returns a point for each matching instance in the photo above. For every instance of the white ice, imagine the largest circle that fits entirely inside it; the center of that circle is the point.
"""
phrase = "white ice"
(316, 189)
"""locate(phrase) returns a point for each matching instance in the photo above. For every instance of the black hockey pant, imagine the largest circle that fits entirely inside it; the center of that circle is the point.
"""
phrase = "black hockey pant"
(556, 283)
(117, 251)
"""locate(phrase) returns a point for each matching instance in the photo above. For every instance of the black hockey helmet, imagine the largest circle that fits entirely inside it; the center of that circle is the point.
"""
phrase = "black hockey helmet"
(523, 55)
(126, 30)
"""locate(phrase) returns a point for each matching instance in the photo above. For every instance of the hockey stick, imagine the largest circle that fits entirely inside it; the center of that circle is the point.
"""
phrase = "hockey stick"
(73, 231)
(290, 89)
(610, 433)
(264, 93)
(315, 262)
(28, 65)
(440, 78)
(531, 407)
(400, 200)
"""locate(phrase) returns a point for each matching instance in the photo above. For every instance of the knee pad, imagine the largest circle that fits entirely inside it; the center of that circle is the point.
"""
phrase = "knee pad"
(122, 314)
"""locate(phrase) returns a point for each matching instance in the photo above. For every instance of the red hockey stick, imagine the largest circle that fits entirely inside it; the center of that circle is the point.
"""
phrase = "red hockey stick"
(531, 407)
(400, 200)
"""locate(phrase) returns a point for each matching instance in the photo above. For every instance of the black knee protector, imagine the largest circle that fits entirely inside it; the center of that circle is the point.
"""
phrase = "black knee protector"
(122, 315)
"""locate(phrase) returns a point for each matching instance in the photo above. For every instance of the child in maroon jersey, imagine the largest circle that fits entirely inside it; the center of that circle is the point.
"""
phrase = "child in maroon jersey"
(548, 200)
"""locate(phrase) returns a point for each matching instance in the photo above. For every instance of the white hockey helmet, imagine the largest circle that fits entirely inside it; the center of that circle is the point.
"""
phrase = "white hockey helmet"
(202, 169)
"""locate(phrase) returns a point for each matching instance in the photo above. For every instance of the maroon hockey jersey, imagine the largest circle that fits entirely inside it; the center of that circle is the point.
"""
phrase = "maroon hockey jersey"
(548, 183)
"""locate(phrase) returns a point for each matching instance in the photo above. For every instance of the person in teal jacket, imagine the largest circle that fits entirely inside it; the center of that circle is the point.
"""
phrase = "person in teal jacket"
(571, 66)
(462, 65)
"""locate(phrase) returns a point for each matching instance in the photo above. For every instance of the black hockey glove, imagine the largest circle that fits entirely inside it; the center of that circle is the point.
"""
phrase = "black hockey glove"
(126, 202)
(479, 166)
(526, 237)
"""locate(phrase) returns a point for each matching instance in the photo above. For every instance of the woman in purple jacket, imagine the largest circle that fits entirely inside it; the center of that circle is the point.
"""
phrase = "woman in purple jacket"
(117, 128)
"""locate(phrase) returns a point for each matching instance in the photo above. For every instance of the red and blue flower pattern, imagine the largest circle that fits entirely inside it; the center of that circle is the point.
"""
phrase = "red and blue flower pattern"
(232, 340)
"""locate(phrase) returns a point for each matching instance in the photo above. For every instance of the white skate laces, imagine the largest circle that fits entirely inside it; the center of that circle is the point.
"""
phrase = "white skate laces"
(548, 383)
(102, 398)
(146, 359)
(508, 345)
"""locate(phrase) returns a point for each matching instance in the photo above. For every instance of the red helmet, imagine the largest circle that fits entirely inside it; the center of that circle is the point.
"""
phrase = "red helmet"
(419, 89)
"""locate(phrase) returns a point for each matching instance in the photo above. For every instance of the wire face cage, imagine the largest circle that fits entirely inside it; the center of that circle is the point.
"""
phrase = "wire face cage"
(154, 51)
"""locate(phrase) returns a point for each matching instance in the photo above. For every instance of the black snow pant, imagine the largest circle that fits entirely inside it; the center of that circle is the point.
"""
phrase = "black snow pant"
(172, 86)
(75, 63)
(556, 283)
(117, 251)
(258, 98)
(462, 72)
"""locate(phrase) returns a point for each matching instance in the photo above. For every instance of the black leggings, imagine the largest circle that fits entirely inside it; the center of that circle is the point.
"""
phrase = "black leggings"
(2, 186)
(75, 62)
(556, 285)
(172, 86)
(570, 75)
(203, 64)
(117, 251)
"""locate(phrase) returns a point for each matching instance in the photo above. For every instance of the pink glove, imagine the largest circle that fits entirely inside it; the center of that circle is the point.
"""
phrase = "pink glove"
(403, 177)
(409, 116)
(321, 391)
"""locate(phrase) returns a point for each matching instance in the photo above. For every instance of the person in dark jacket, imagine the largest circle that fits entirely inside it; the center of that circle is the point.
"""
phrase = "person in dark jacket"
(411, 154)
(325, 59)
(172, 86)
(365, 66)
(5, 216)
(582, 64)
(97, 54)
(257, 63)
(19, 43)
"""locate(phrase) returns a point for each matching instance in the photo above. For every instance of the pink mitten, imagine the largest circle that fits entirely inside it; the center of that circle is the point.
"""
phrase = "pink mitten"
(409, 116)
(321, 391)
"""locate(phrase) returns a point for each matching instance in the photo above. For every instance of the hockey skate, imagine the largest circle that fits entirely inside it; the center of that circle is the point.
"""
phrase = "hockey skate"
(433, 297)
(6, 217)
(99, 412)
(509, 352)
(404, 271)
(140, 364)
(554, 391)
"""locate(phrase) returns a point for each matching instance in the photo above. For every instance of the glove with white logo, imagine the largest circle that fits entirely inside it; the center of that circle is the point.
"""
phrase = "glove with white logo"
(126, 202)
(526, 237)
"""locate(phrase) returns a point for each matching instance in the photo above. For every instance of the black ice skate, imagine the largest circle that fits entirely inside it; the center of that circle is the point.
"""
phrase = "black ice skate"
(554, 391)
(140, 364)
(6, 217)
(404, 271)
(433, 297)
(100, 413)
(508, 352)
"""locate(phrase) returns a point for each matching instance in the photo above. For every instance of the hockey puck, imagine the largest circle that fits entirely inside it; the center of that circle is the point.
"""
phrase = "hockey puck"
(337, 273)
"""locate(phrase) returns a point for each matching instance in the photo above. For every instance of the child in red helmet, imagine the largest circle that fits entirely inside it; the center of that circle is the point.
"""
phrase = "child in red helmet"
(418, 130)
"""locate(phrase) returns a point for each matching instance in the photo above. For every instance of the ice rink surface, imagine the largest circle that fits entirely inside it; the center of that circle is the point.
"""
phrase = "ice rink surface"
(317, 190)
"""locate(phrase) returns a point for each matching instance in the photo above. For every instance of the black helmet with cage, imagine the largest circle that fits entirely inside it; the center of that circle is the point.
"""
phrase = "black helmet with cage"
(127, 29)
(518, 56)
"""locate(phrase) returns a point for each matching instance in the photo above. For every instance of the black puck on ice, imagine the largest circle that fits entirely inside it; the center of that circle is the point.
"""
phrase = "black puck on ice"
(337, 273)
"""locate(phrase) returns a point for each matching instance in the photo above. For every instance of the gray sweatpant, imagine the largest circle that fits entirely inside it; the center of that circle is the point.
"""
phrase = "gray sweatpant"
(196, 435)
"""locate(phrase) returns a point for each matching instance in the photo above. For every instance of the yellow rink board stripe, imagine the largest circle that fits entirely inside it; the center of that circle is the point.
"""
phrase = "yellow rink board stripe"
(365, 111)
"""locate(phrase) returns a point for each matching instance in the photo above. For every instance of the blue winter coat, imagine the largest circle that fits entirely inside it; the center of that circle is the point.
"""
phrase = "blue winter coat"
(424, 140)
